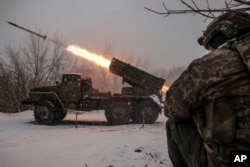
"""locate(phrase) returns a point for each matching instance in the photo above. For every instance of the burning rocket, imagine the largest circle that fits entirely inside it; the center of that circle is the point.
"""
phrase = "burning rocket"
(39, 35)
(25, 29)
(76, 50)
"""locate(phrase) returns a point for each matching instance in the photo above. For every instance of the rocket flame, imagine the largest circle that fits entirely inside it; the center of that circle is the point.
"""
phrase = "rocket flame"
(97, 59)
(164, 88)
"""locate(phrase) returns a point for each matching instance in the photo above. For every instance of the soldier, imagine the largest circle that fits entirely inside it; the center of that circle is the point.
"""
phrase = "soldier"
(208, 106)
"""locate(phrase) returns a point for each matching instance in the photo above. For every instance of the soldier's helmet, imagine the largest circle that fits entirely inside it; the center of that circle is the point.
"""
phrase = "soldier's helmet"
(224, 27)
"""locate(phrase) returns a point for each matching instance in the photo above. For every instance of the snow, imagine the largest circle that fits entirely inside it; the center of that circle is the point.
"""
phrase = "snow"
(92, 144)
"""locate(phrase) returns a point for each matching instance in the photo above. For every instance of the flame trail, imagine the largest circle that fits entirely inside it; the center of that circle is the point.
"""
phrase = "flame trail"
(97, 59)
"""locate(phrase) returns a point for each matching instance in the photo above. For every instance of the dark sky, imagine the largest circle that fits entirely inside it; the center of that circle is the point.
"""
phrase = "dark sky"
(125, 25)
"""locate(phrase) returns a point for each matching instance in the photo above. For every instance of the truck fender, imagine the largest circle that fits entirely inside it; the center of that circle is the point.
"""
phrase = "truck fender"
(53, 96)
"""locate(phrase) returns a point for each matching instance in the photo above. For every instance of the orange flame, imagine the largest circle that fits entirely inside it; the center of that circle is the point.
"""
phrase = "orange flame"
(97, 59)
(164, 88)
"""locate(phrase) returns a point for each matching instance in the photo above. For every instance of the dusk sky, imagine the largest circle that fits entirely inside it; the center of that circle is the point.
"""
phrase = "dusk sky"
(125, 25)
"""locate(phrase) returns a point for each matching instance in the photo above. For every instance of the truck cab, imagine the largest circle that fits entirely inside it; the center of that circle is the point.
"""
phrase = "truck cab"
(70, 88)
(75, 87)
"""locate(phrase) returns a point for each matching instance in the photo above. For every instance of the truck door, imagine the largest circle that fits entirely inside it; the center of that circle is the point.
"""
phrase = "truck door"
(70, 88)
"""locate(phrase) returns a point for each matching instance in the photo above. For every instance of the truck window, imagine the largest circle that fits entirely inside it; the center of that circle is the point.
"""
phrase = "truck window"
(86, 85)
(71, 80)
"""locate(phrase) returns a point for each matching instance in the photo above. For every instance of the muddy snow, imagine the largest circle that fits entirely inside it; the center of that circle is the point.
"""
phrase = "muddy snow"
(92, 144)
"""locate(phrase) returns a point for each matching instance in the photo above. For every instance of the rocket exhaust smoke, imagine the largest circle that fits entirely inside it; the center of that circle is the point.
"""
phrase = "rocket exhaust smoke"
(56, 42)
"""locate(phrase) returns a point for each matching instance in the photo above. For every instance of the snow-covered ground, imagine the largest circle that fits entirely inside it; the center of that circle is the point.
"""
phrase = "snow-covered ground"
(92, 144)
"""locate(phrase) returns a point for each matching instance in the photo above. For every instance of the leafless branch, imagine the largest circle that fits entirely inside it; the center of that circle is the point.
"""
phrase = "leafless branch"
(208, 12)
(243, 2)
(197, 10)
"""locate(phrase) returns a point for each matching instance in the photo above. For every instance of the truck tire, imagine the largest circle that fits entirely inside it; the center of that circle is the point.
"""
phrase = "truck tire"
(44, 113)
(118, 114)
(60, 114)
(146, 112)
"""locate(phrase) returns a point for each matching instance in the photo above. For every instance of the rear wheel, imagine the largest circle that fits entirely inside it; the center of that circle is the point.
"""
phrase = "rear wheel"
(118, 114)
(44, 113)
(146, 112)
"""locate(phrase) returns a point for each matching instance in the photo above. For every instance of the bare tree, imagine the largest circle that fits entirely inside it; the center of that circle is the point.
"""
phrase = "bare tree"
(35, 54)
(57, 62)
(12, 81)
(44, 62)
(191, 7)
(34, 64)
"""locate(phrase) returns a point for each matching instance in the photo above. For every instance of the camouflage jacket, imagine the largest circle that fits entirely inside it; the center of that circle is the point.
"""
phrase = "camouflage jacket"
(218, 74)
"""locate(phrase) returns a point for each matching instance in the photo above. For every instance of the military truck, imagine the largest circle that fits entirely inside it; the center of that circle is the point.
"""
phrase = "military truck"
(75, 92)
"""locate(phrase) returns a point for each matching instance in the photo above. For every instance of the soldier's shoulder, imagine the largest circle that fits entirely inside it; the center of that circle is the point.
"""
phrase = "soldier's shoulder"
(220, 55)
(216, 58)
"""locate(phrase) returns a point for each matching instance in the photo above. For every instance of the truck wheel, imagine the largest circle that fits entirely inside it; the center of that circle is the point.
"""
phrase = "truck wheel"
(44, 113)
(60, 114)
(146, 112)
(118, 114)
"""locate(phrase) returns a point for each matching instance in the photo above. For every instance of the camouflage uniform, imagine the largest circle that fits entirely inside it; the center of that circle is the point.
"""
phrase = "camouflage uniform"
(219, 74)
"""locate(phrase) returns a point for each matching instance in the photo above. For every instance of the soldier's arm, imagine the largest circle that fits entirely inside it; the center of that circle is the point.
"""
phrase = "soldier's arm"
(185, 93)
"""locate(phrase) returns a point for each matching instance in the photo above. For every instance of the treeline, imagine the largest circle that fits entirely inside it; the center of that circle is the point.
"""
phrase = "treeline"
(40, 63)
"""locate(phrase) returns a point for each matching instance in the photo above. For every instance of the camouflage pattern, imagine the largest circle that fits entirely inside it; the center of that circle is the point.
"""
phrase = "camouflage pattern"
(230, 24)
(240, 19)
(220, 73)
